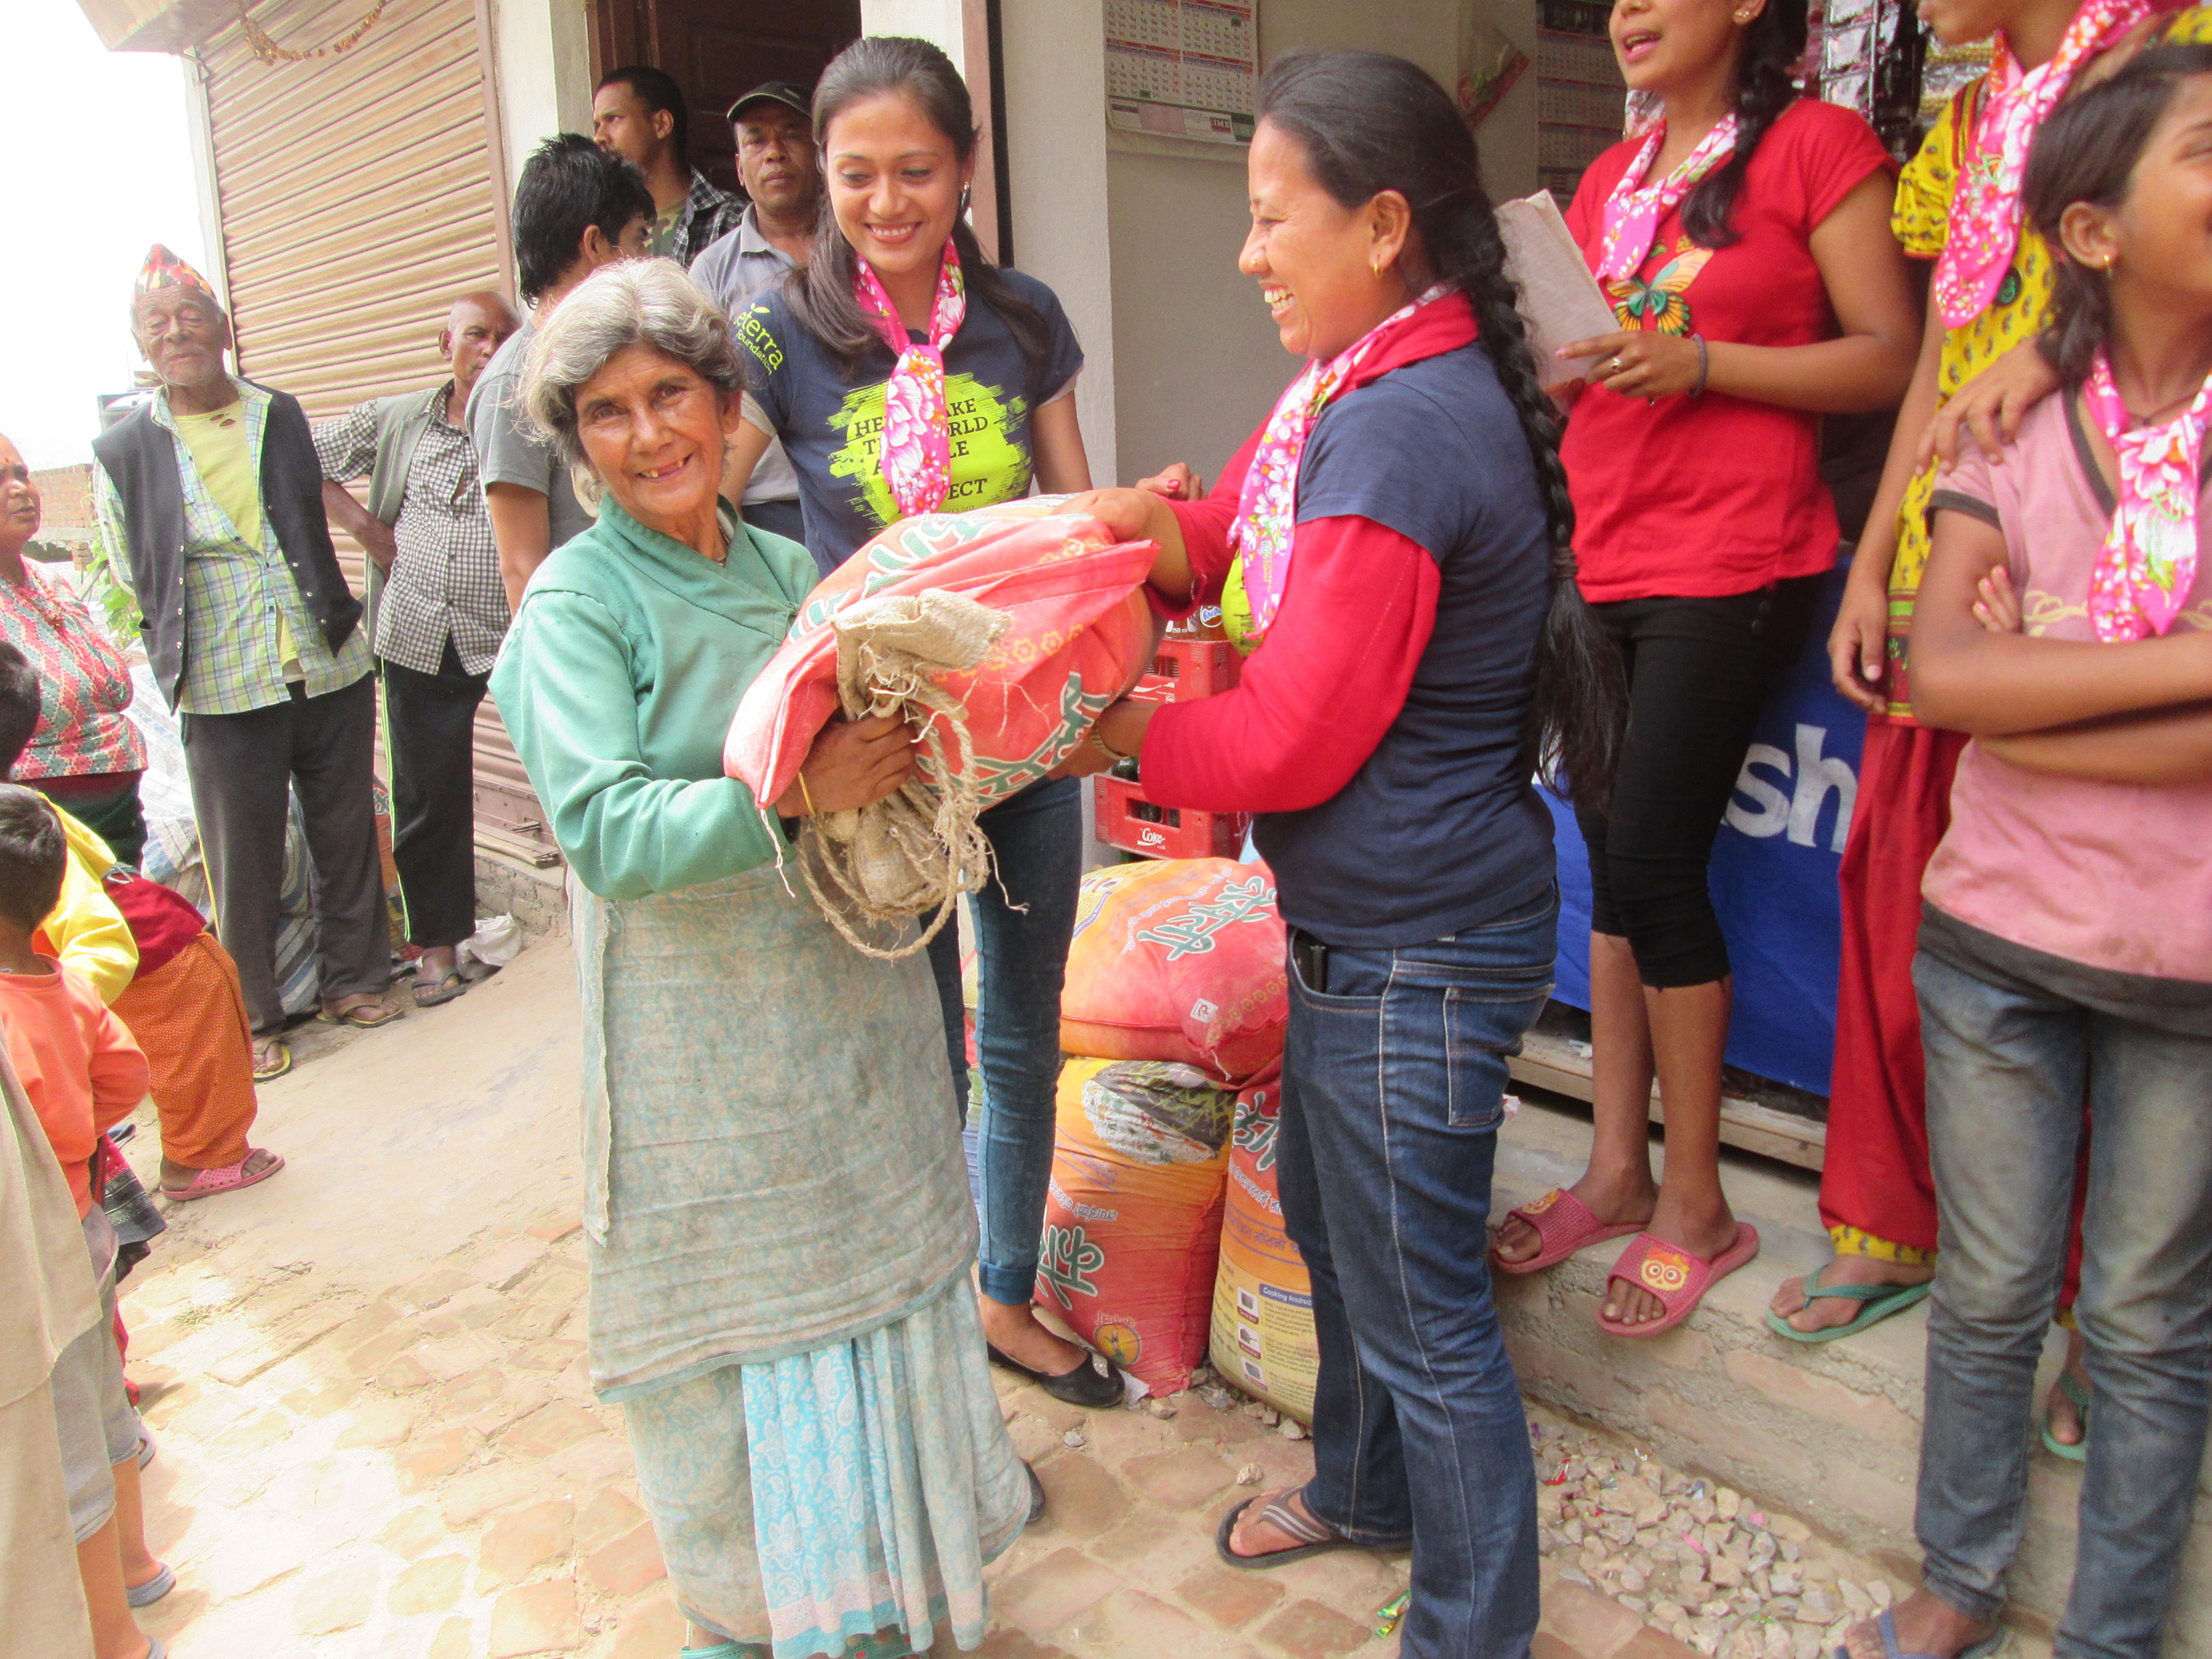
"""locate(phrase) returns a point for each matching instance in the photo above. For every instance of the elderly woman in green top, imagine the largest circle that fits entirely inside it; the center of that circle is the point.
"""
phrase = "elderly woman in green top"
(780, 1232)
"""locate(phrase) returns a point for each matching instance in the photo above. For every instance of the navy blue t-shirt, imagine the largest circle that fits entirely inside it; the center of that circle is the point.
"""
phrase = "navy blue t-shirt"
(831, 423)
(1441, 829)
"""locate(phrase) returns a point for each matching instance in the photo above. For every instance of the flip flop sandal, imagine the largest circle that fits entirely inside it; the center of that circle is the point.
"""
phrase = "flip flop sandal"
(430, 996)
(2079, 1451)
(1563, 1225)
(277, 1067)
(1885, 1627)
(231, 1178)
(362, 1016)
(1314, 1538)
(1878, 1303)
(145, 1595)
(1677, 1278)
(145, 1446)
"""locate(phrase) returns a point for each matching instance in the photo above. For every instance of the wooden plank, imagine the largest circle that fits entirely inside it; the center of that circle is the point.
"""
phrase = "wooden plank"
(1552, 1062)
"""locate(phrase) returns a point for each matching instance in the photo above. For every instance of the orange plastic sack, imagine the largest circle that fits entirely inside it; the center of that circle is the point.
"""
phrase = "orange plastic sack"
(1178, 959)
(1133, 1218)
(1081, 632)
(1263, 1330)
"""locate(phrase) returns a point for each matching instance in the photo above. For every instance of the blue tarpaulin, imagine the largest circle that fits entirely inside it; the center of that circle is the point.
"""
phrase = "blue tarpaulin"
(1773, 874)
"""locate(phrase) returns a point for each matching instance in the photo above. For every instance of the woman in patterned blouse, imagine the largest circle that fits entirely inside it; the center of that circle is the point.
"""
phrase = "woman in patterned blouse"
(86, 754)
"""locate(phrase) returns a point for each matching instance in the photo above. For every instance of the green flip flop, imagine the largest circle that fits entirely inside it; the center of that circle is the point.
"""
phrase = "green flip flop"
(1878, 1303)
(2079, 1451)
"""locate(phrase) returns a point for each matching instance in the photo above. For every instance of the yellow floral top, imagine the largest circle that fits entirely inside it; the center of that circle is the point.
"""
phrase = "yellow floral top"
(1920, 219)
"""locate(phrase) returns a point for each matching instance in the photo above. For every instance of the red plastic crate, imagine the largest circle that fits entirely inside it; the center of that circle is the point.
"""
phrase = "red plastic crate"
(1129, 821)
(1184, 670)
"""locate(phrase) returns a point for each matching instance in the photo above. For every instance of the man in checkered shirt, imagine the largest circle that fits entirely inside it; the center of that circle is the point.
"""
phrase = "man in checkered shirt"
(209, 496)
(437, 613)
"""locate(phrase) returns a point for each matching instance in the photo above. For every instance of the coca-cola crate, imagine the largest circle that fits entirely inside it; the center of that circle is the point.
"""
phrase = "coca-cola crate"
(1183, 670)
(1129, 821)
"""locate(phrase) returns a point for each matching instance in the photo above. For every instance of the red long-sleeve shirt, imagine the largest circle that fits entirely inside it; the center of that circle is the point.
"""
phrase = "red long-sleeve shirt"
(1346, 640)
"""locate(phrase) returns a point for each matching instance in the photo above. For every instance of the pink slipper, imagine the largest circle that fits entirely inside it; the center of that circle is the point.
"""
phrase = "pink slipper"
(1564, 1224)
(1677, 1278)
(232, 1177)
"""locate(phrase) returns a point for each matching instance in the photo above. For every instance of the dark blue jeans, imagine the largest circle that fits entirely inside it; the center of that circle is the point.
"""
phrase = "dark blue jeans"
(2016, 1040)
(1023, 920)
(1394, 1085)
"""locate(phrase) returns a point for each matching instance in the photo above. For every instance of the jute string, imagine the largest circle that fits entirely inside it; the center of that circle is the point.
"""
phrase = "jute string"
(918, 849)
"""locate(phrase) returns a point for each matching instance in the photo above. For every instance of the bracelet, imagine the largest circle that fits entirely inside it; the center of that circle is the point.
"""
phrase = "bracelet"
(806, 795)
(1705, 363)
(1107, 749)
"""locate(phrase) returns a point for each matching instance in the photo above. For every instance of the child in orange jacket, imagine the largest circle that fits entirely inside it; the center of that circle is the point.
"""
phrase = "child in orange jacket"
(83, 1074)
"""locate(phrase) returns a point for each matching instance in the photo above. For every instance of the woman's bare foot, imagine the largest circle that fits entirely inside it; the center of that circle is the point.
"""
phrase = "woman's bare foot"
(2067, 1427)
(1016, 1332)
(1704, 1226)
(1924, 1625)
(1616, 1200)
(1825, 1313)
(1254, 1537)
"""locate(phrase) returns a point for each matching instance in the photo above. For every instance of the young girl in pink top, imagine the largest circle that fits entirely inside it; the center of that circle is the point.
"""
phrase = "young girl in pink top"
(2066, 942)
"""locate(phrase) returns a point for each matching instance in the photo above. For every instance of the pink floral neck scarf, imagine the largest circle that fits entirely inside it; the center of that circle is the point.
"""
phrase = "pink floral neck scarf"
(2148, 564)
(917, 431)
(1632, 214)
(1983, 227)
(1264, 531)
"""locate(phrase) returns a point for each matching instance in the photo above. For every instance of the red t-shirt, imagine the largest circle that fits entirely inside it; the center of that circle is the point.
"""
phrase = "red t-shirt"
(1702, 496)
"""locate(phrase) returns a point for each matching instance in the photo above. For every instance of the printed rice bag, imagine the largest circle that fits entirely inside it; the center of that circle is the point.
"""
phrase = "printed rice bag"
(1133, 1218)
(1081, 632)
(1263, 1330)
(1178, 959)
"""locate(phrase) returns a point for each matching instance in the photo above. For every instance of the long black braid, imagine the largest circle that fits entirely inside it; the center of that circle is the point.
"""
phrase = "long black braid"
(1771, 46)
(1369, 122)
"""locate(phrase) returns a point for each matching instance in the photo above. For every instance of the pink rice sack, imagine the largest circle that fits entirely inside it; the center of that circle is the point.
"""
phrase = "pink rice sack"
(1082, 631)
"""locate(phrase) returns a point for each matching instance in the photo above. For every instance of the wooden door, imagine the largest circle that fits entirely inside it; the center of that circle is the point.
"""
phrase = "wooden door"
(718, 51)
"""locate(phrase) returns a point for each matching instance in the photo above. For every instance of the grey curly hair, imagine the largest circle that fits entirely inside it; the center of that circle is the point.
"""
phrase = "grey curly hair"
(650, 302)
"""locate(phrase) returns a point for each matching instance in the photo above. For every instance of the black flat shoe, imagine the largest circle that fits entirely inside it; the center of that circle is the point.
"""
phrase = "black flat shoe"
(1037, 1497)
(1083, 1386)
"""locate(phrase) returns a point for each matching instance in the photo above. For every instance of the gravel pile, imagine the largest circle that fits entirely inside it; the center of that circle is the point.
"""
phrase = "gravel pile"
(1694, 1558)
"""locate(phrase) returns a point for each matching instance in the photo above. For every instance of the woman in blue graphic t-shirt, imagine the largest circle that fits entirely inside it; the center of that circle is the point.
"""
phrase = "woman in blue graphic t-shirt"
(974, 403)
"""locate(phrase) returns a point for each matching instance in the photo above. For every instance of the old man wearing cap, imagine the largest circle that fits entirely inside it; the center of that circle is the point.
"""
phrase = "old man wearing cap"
(782, 173)
(209, 497)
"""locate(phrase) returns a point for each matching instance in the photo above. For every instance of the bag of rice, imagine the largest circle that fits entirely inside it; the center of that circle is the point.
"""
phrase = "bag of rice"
(1001, 636)
(1178, 959)
(1263, 1330)
(1133, 1217)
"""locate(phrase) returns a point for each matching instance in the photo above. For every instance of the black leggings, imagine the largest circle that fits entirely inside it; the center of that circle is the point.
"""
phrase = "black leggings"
(1700, 672)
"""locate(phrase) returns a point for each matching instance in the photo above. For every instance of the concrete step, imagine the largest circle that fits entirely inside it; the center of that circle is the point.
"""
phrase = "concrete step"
(1829, 1431)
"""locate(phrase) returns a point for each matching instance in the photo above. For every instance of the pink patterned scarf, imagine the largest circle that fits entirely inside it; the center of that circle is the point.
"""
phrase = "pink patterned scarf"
(2148, 564)
(1632, 214)
(1265, 530)
(1983, 227)
(917, 431)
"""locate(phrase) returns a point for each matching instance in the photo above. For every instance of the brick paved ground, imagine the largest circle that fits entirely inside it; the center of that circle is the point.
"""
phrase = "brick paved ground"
(424, 1472)
(377, 1440)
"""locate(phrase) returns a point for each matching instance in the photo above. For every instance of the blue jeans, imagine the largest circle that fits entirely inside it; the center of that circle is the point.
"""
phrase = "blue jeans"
(1023, 920)
(1394, 1084)
(2016, 1040)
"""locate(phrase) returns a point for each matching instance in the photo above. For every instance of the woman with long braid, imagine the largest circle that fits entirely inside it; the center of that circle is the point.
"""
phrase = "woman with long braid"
(1744, 241)
(1397, 535)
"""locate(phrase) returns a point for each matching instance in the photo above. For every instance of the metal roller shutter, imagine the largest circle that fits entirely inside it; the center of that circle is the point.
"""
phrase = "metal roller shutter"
(359, 191)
